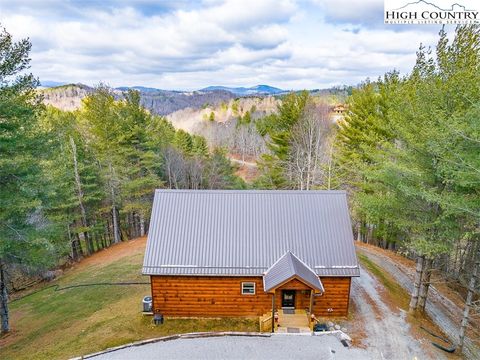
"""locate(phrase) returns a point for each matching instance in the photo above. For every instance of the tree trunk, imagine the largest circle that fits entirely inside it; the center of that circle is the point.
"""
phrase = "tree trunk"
(129, 221)
(3, 299)
(116, 235)
(468, 301)
(142, 225)
(78, 241)
(329, 179)
(116, 230)
(74, 245)
(425, 284)
(359, 231)
(78, 185)
(135, 225)
(97, 241)
(105, 241)
(416, 285)
(108, 232)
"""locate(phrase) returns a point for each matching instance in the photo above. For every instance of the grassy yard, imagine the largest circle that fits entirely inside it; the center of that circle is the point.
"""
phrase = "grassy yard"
(401, 297)
(60, 324)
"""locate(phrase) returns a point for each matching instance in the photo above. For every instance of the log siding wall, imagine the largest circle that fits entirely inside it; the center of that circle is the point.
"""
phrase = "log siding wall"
(221, 296)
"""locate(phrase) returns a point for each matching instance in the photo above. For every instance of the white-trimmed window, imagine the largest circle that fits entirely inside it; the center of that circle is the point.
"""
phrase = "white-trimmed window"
(248, 288)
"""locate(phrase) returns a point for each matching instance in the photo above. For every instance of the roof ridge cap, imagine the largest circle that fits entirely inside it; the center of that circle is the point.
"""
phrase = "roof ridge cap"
(224, 191)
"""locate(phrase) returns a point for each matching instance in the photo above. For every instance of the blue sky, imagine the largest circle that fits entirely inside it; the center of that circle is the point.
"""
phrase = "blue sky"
(192, 44)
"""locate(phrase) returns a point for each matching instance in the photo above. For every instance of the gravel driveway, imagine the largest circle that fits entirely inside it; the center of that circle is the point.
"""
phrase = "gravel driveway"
(441, 310)
(388, 334)
(276, 347)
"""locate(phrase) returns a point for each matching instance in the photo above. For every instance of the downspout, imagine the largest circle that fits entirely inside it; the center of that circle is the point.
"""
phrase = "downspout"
(273, 312)
(311, 303)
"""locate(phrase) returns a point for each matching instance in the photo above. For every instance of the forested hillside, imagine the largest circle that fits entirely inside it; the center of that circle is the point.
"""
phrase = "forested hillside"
(409, 153)
(158, 102)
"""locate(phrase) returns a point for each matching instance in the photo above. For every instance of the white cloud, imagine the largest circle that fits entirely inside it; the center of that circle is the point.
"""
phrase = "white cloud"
(348, 11)
(186, 46)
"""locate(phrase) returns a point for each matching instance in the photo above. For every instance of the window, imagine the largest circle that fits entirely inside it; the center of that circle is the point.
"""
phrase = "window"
(248, 288)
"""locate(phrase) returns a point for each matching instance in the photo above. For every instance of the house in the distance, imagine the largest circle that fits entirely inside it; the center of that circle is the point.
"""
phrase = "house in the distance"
(240, 253)
(338, 112)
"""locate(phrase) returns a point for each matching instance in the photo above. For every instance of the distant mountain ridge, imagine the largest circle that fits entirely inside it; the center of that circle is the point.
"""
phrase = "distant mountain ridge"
(164, 102)
(139, 88)
(49, 84)
(254, 90)
(242, 91)
(159, 102)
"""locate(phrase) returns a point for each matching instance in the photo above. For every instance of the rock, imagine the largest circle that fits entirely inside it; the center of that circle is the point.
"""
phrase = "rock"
(337, 327)
(343, 336)
(50, 275)
(330, 324)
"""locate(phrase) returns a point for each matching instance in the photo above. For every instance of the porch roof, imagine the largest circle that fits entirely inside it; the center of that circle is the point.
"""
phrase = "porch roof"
(288, 267)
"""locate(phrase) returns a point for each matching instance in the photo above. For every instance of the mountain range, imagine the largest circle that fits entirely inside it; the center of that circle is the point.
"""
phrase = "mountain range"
(240, 91)
(160, 102)
(164, 102)
(243, 91)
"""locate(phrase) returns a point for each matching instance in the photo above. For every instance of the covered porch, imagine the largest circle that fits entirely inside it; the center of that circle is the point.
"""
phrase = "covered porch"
(293, 286)
(295, 321)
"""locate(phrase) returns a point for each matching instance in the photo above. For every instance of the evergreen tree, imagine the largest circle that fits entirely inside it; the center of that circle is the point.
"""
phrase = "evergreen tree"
(100, 117)
(76, 189)
(277, 129)
(221, 172)
(183, 142)
(405, 148)
(24, 237)
(199, 146)
(139, 161)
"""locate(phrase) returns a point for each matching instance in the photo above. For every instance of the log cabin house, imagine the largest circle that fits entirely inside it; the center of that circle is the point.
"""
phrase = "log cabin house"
(247, 253)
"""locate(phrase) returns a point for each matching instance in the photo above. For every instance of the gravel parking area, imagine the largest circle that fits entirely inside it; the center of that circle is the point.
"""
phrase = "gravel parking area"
(241, 347)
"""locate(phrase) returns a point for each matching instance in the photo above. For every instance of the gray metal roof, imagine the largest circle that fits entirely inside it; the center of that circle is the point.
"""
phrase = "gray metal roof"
(287, 267)
(240, 232)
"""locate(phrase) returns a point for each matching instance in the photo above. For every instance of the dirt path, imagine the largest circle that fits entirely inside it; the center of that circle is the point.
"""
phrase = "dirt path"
(441, 310)
(244, 163)
(388, 334)
(113, 253)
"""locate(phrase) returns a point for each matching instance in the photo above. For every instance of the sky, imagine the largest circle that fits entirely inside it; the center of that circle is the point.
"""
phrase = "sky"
(187, 45)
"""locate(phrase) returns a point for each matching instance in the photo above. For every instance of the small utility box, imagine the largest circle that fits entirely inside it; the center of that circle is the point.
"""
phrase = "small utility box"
(158, 319)
(147, 304)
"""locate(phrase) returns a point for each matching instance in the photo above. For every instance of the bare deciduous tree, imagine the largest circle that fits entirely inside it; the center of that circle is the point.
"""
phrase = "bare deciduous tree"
(174, 167)
(310, 148)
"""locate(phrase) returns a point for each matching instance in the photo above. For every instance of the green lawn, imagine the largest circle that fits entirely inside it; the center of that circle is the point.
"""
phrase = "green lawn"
(60, 324)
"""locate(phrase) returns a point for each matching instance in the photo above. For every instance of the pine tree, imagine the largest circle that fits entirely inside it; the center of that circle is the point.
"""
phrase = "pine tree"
(183, 142)
(76, 187)
(141, 167)
(407, 144)
(277, 129)
(199, 146)
(103, 130)
(24, 237)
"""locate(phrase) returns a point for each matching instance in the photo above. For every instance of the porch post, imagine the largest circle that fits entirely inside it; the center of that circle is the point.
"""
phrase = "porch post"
(310, 309)
(273, 311)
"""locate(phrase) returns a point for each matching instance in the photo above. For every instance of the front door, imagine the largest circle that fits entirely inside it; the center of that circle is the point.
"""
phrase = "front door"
(288, 298)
